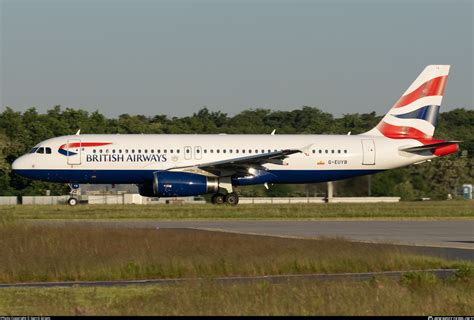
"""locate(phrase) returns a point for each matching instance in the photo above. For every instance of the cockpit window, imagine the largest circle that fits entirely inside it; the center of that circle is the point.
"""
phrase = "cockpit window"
(48, 150)
(40, 150)
(34, 150)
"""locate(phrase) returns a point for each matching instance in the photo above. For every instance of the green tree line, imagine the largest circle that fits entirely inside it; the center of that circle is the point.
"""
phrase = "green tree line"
(19, 131)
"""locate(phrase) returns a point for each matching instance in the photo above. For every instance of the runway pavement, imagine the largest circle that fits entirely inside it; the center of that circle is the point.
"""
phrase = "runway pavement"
(275, 279)
(455, 236)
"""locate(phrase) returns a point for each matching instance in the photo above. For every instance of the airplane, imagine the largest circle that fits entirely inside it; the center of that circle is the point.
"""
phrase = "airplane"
(174, 165)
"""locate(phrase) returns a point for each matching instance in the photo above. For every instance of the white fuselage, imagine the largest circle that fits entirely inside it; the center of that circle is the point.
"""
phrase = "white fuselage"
(132, 158)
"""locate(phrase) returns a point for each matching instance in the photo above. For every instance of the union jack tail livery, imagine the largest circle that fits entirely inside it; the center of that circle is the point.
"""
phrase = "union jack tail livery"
(415, 114)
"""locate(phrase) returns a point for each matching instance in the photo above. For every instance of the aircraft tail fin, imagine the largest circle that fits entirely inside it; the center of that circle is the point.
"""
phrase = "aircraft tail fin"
(415, 114)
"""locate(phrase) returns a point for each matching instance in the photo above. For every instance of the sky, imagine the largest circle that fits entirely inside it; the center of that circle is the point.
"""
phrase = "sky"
(175, 57)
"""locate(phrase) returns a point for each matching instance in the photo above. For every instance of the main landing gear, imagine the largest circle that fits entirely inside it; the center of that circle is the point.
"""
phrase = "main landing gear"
(231, 198)
(72, 201)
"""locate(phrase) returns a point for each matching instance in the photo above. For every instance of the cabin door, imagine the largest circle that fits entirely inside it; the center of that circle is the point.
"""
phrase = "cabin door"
(73, 151)
(368, 149)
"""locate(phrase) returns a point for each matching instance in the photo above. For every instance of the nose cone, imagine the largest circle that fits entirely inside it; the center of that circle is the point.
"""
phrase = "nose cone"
(16, 164)
(20, 165)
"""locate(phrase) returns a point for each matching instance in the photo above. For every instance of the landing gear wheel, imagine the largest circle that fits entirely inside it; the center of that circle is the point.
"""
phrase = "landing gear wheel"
(232, 198)
(72, 202)
(218, 198)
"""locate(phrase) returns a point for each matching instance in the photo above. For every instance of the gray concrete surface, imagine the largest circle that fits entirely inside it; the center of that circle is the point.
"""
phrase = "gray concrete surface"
(435, 233)
(363, 276)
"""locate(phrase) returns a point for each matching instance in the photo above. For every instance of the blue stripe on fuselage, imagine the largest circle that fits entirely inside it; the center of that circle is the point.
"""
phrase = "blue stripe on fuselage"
(146, 176)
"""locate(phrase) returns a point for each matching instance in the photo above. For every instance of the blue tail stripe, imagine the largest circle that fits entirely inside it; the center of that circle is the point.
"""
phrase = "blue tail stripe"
(428, 113)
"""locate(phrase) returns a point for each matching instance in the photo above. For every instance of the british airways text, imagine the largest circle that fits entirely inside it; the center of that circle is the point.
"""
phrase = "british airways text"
(126, 158)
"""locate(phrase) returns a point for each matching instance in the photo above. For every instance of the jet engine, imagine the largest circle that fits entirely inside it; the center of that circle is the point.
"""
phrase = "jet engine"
(179, 184)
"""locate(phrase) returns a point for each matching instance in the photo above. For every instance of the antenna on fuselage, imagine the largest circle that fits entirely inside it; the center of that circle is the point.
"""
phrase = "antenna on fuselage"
(78, 132)
(273, 132)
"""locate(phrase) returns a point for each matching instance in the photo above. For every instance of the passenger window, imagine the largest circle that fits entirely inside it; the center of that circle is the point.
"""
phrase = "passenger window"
(212, 151)
(165, 151)
(338, 151)
(113, 150)
(230, 150)
(126, 150)
(205, 150)
(224, 151)
(93, 151)
(217, 151)
(326, 151)
(146, 150)
(256, 151)
(250, 151)
(152, 151)
(107, 151)
(345, 151)
(120, 150)
(263, 151)
(158, 151)
(41, 150)
(198, 151)
(243, 150)
(188, 151)
(314, 151)
(171, 150)
(100, 151)
(236, 150)
(320, 151)
(332, 151)
(48, 150)
(133, 150)
(177, 150)
(139, 151)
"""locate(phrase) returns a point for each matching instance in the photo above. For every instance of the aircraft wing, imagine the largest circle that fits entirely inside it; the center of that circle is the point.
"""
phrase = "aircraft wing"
(240, 165)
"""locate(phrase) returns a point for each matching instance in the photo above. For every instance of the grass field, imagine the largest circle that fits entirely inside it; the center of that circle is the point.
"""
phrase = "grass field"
(406, 210)
(32, 253)
(413, 295)
(73, 252)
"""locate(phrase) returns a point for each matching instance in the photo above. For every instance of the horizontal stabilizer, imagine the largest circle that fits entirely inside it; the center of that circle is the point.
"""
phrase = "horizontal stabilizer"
(429, 147)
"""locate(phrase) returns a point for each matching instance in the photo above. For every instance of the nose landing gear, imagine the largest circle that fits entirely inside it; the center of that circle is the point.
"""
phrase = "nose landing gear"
(72, 201)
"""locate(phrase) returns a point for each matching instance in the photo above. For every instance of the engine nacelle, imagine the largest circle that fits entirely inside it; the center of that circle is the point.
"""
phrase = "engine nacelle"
(146, 190)
(182, 184)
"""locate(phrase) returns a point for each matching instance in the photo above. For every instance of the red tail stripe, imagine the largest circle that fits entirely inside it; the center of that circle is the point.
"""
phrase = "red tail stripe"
(433, 87)
(84, 144)
(397, 132)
